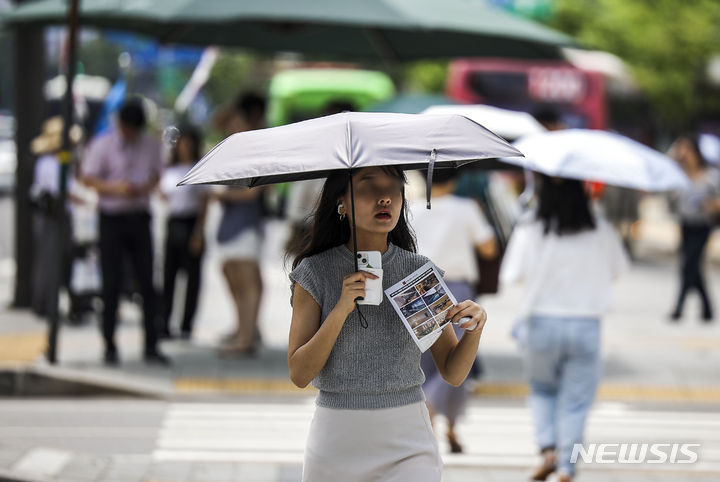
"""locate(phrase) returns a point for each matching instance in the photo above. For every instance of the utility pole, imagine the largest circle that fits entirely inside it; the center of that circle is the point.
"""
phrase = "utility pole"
(66, 159)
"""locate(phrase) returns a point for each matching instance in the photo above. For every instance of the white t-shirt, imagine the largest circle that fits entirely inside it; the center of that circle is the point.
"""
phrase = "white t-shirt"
(448, 234)
(47, 176)
(182, 200)
(568, 275)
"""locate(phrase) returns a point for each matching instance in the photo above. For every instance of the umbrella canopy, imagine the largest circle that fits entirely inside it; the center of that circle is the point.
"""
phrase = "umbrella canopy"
(509, 124)
(392, 29)
(599, 156)
(349, 140)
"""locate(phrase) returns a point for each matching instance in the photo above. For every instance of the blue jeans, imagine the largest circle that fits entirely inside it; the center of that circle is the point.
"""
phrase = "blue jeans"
(562, 363)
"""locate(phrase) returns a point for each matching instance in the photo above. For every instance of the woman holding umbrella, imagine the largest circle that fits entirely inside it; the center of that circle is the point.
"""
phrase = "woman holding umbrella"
(371, 422)
(567, 257)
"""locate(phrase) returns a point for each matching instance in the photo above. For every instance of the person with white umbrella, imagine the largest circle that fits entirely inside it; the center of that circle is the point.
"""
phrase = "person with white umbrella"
(371, 422)
(566, 256)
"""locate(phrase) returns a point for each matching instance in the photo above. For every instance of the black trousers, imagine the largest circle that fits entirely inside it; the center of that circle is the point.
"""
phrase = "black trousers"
(178, 257)
(45, 236)
(694, 240)
(127, 236)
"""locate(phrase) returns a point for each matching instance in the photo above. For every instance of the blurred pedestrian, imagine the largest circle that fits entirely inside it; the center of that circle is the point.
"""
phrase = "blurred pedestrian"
(303, 195)
(239, 241)
(567, 258)
(370, 422)
(184, 241)
(698, 212)
(450, 234)
(124, 168)
(47, 218)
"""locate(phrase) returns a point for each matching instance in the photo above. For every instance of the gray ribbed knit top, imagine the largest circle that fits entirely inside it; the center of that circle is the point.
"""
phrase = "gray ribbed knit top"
(368, 368)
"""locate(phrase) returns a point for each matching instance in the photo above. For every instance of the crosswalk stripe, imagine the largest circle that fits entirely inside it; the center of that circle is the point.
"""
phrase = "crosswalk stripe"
(493, 436)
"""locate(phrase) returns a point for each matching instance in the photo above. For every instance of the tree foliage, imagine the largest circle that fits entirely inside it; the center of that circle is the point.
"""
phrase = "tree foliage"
(667, 44)
(232, 73)
(426, 76)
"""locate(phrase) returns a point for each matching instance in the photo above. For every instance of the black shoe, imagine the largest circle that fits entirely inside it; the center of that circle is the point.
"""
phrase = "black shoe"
(156, 358)
(165, 334)
(707, 317)
(111, 358)
(675, 316)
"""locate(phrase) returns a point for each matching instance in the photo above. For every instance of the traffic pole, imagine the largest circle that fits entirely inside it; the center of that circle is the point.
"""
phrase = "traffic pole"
(65, 159)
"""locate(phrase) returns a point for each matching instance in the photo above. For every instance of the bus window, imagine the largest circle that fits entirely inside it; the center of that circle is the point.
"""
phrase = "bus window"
(578, 96)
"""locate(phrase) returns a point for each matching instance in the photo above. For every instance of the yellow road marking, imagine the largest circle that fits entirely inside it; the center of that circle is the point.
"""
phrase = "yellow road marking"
(22, 348)
(701, 343)
(198, 385)
(613, 392)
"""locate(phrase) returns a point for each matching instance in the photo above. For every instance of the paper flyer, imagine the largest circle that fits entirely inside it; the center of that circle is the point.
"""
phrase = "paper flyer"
(422, 300)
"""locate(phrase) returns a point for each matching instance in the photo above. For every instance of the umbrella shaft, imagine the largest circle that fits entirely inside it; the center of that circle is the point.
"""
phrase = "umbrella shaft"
(354, 231)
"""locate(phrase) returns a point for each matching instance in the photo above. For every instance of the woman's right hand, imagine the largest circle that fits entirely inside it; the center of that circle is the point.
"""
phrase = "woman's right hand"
(353, 287)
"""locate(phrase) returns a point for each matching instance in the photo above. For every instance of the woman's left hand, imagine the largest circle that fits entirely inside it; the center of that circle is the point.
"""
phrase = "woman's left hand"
(470, 309)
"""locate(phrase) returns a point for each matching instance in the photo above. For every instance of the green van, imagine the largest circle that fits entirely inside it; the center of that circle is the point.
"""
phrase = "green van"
(301, 94)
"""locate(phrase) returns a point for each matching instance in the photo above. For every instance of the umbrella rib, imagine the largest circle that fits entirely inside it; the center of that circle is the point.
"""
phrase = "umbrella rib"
(348, 144)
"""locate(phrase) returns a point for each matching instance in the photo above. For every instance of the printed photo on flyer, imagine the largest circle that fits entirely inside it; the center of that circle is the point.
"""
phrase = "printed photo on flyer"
(422, 300)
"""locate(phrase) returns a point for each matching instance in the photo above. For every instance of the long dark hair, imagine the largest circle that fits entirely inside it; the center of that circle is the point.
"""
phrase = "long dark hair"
(193, 134)
(564, 206)
(694, 141)
(328, 231)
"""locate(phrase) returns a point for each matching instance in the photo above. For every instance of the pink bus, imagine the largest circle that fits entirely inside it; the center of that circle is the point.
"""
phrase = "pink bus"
(577, 95)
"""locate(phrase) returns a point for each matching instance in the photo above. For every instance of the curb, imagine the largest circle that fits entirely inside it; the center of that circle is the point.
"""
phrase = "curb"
(7, 476)
(34, 381)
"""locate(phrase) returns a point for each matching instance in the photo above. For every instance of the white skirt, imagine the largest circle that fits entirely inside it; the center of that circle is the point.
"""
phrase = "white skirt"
(391, 444)
(246, 245)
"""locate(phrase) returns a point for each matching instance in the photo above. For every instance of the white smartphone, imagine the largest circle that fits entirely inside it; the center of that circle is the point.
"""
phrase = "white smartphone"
(465, 319)
(371, 261)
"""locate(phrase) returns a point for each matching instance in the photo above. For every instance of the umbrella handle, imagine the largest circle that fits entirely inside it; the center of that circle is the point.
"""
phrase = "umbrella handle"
(354, 235)
(363, 321)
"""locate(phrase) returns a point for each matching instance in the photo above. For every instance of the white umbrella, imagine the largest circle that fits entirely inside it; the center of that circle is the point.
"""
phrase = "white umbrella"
(599, 156)
(509, 124)
(350, 140)
(710, 148)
